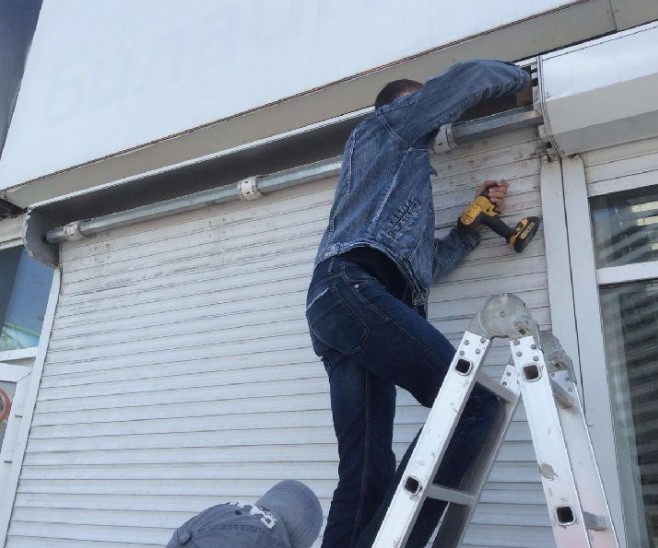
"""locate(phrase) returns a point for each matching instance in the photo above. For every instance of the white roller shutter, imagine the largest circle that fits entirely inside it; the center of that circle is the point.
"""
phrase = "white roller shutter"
(623, 167)
(512, 511)
(180, 373)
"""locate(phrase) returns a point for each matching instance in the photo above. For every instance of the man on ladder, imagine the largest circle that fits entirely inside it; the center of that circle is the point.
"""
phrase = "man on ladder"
(366, 302)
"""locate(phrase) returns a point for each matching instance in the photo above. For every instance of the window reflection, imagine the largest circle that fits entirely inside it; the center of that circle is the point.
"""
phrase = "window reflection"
(24, 288)
(625, 227)
(630, 320)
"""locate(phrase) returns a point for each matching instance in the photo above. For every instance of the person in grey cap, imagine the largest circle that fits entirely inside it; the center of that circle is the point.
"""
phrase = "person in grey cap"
(287, 516)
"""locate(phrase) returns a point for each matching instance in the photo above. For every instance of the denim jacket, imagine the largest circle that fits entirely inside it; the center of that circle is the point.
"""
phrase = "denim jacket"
(383, 198)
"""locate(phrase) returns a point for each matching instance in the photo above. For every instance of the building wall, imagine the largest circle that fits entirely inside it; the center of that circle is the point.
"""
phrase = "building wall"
(179, 373)
(122, 74)
(152, 83)
(179, 358)
(18, 20)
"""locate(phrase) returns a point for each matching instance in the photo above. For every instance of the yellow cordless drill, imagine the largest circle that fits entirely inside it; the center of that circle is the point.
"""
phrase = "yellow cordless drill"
(482, 211)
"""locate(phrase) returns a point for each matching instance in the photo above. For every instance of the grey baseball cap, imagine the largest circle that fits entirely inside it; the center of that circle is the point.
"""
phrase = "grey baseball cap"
(287, 516)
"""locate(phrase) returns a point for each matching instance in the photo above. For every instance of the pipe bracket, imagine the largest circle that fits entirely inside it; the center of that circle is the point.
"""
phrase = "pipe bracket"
(248, 189)
(72, 232)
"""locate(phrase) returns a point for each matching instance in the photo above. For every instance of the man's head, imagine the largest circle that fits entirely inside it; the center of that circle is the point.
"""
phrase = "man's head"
(397, 88)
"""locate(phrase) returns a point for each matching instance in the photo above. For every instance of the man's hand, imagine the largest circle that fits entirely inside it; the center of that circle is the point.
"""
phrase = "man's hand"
(496, 192)
(524, 97)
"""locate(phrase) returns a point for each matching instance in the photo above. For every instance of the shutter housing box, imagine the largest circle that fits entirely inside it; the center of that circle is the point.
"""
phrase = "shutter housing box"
(601, 93)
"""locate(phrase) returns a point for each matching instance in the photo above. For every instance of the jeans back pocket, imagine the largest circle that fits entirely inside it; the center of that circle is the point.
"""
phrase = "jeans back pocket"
(333, 322)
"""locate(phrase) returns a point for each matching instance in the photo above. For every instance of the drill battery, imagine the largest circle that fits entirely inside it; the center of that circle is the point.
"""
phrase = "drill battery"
(483, 211)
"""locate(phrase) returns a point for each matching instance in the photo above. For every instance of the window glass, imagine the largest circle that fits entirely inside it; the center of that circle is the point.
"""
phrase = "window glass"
(630, 320)
(625, 227)
(24, 289)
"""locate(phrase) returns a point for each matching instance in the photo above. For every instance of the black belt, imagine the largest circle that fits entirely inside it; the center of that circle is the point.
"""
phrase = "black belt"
(377, 264)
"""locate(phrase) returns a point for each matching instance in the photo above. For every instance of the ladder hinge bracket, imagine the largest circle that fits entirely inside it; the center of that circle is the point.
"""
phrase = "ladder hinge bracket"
(555, 357)
(504, 316)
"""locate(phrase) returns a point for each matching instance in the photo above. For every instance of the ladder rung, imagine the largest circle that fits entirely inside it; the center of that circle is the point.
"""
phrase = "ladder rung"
(439, 492)
(494, 386)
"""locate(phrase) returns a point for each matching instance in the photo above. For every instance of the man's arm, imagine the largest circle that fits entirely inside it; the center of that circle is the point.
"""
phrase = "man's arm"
(444, 98)
(449, 251)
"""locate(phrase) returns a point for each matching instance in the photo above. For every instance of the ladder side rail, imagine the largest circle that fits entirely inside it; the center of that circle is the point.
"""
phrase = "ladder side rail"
(593, 499)
(457, 517)
(433, 441)
(558, 482)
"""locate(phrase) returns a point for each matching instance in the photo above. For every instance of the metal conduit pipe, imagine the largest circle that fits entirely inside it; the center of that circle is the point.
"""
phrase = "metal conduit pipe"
(247, 189)
(253, 188)
(451, 135)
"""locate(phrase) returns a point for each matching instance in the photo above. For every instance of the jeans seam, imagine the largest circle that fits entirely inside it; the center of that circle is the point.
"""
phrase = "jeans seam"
(363, 299)
(364, 475)
(427, 348)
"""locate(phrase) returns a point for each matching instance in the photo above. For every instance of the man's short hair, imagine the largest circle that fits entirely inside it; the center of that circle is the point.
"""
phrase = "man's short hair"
(391, 91)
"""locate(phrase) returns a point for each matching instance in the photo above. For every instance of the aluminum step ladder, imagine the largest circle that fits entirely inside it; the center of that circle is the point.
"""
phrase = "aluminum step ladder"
(539, 372)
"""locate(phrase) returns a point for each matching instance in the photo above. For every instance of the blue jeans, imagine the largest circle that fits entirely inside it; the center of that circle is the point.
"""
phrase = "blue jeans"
(369, 342)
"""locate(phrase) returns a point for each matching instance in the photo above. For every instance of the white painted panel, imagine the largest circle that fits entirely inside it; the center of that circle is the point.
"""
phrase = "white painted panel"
(180, 372)
(611, 99)
(122, 74)
(625, 167)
